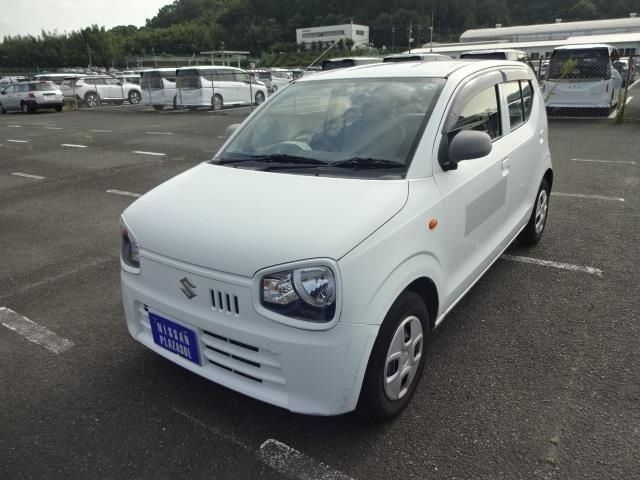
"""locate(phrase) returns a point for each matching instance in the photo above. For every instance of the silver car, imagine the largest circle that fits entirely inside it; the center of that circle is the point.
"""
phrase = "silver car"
(31, 96)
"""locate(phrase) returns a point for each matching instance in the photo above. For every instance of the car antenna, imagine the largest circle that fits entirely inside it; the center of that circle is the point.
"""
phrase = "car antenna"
(321, 55)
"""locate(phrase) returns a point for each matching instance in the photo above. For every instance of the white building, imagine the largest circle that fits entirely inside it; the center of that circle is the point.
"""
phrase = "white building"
(553, 31)
(332, 33)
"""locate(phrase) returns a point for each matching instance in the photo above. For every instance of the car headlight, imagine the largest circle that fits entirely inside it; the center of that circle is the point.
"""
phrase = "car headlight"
(130, 251)
(307, 293)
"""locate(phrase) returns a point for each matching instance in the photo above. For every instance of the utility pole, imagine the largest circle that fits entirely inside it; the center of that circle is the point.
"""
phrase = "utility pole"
(410, 32)
(89, 52)
(393, 38)
(431, 29)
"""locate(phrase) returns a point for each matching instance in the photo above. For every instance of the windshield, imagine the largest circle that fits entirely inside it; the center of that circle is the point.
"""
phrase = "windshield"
(587, 63)
(43, 86)
(189, 79)
(485, 56)
(335, 64)
(368, 122)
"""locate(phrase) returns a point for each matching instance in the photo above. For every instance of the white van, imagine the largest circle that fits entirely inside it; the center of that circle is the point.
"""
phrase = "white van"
(159, 88)
(275, 78)
(583, 76)
(216, 87)
(308, 262)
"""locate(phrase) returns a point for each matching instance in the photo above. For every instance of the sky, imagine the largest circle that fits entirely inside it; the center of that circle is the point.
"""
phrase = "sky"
(32, 16)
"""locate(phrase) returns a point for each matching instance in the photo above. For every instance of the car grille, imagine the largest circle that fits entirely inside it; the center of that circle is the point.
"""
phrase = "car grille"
(240, 359)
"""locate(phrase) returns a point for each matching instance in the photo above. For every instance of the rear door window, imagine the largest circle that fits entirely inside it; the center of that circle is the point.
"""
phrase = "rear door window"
(527, 98)
(514, 103)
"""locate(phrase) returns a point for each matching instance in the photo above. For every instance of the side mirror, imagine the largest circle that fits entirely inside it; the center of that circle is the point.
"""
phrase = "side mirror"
(230, 129)
(467, 145)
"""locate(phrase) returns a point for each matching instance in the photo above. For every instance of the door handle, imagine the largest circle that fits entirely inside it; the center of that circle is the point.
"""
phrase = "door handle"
(506, 164)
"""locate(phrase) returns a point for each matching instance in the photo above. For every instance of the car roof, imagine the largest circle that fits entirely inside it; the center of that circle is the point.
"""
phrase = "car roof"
(209, 67)
(411, 69)
(340, 59)
(584, 46)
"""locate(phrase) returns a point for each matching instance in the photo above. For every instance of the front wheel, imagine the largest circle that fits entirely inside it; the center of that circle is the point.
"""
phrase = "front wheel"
(259, 98)
(25, 108)
(532, 233)
(134, 97)
(397, 359)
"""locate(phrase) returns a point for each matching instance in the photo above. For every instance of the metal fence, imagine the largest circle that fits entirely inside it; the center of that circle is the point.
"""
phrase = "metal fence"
(587, 86)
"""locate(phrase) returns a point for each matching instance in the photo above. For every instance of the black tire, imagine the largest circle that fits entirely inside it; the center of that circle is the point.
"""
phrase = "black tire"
(533, 232)
(58, 109)
(158, 107)
(175, 102)
(2, 109)
(217, 102)
(259, 98)
(374, 403)
(134, 97)
(25, 108)
(91, 99)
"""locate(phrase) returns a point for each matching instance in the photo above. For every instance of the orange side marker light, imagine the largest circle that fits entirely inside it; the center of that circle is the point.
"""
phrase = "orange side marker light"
(433, 224)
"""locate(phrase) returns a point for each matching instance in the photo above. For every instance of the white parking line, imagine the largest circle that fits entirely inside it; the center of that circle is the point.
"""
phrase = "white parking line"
(628, 100)
(14, 126)
(559, 265)
(27, 175)
(126, 194)
(159, 133)
(282, 458)
(603, 161)
(101, 131)
(53, 128)
(582, 195)
(292, 463)
(18, 141)
(33, 332)
(139, 152)
(71, 145)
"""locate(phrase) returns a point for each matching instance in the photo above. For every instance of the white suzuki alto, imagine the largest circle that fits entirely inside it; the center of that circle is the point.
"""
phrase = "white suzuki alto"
(306, 264)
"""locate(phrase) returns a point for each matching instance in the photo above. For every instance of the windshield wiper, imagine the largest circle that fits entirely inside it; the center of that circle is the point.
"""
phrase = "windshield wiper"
(365, 163)
(279, 158)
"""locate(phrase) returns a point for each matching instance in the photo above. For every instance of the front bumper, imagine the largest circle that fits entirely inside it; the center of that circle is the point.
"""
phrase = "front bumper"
(311, 372)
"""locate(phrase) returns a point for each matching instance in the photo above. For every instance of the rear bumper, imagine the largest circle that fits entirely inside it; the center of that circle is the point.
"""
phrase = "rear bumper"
(310, 372)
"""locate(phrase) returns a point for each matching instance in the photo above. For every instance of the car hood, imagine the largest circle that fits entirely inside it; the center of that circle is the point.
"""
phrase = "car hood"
(240, 221)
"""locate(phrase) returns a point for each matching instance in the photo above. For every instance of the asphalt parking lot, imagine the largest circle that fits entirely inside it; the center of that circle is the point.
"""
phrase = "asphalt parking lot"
(535, 374)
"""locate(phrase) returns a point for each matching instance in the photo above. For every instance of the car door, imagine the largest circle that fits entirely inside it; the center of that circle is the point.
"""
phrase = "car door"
(243, 86)
(225, 85)
(8, 100)
(475, 196)
(525, 142)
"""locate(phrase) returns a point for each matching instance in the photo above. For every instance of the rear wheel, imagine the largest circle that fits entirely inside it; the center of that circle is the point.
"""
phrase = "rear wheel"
(397, 359)
(92, 100)
(25, 108)
(217, 102)
(134, 97)
(532, 233)
(159, 107)
(58, 108)
(259, 98)
(2, 109)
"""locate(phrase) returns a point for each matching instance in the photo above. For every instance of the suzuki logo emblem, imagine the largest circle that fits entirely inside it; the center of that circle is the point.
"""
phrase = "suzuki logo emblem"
(187, 288)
